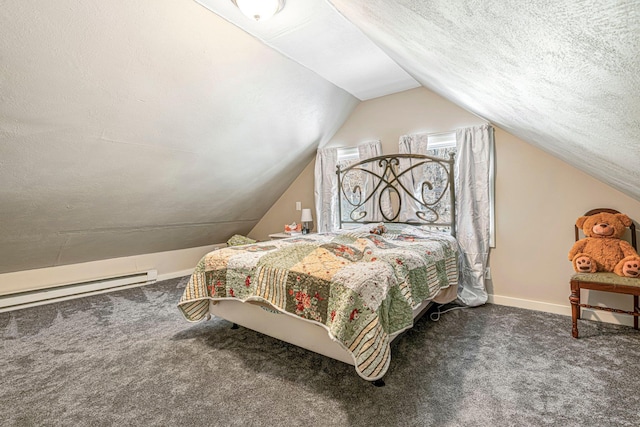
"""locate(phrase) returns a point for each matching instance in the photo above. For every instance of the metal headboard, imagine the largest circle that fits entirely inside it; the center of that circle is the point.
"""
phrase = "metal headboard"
(390, 175)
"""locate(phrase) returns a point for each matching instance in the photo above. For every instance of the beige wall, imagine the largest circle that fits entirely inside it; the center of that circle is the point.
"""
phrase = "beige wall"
(284, 210)
(384, 118)
(538, 199)
(389, 117)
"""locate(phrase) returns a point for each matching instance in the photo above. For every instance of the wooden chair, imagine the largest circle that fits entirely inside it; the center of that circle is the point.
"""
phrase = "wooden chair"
(606, 282)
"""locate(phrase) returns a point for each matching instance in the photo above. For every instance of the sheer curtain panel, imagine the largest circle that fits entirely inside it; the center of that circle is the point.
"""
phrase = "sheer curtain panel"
(473, 167)
(411, 144)
(474, 151)
(326, 185)
(367, 150)
(326, 189)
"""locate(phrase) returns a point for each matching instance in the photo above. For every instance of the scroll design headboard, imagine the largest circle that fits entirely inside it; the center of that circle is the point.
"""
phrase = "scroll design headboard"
(408, 180)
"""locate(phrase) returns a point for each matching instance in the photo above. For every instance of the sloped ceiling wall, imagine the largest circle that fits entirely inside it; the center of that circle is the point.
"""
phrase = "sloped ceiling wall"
(561, 75)
(138, 127)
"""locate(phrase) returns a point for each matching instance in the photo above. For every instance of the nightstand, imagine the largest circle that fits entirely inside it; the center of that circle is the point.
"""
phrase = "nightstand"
(278, 236)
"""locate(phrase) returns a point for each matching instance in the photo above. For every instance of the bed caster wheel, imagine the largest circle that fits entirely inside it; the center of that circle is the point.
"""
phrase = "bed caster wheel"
(234, 326)
(378, 383)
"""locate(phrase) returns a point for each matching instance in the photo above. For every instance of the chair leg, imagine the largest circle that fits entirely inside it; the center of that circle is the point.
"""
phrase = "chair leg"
(574, 299)
(636, 309)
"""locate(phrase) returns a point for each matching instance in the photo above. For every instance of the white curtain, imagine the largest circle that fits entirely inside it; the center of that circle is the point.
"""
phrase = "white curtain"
(326, 189)
(411, 144)
(473, 165)
(326, 186)
(474, 147)
(414, 144)
(367, 150)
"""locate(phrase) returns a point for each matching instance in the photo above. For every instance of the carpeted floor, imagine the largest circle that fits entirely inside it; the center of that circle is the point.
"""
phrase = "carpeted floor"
(129, 358)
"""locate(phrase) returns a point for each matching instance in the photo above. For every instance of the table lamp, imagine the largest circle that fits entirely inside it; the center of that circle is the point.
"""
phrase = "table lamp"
(306, 220)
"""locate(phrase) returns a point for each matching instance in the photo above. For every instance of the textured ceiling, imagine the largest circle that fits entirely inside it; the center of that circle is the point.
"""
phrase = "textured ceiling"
(315, 35)
(561, 75)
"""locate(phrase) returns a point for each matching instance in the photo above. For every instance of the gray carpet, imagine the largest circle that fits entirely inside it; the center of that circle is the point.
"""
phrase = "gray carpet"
(129, 358)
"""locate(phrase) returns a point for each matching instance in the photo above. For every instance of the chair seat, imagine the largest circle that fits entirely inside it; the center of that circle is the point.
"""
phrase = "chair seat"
(608, 278)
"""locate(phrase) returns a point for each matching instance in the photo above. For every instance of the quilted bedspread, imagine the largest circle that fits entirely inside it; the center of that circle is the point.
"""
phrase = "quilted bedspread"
(361, 287)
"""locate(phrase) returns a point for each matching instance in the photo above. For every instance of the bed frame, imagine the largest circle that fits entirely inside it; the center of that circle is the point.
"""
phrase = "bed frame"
(386, 176)
(394, 177)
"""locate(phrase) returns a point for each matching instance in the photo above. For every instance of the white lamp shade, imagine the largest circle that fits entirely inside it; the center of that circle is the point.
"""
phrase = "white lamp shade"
(306, 215)
(260, 10)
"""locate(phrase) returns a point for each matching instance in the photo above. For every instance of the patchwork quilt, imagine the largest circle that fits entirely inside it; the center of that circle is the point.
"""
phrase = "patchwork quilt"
(361, 287)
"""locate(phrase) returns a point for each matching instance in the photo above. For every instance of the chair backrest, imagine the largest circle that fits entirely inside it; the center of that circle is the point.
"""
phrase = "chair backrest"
(632, 227)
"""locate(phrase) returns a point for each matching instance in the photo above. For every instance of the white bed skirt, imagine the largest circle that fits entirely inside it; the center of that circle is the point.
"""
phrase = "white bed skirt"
(296, 330)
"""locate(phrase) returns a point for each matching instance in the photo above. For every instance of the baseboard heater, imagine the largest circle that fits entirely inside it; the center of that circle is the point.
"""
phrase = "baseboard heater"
(75, 290)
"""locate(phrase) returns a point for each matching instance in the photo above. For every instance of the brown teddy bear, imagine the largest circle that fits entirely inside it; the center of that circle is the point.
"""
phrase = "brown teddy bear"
(603, 249)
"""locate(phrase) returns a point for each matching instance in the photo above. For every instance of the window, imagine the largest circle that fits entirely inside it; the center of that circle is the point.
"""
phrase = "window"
(348, 155)
(441, 140)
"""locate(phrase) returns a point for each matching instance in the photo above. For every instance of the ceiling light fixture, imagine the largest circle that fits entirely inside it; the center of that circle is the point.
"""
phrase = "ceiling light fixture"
(259, 10)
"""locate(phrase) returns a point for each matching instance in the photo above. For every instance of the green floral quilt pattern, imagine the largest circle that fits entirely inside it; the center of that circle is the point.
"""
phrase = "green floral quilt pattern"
(361, 287)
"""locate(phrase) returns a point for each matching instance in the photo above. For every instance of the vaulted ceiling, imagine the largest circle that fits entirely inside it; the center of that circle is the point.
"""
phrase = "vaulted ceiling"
(561, 75)
(146, 126)
(137, 127)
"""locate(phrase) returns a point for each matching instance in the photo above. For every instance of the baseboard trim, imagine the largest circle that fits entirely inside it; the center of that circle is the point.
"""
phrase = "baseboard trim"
(530, 304)
(64, 293)
(73, 291)
(175, 274)
(565, 310)
(169, 265)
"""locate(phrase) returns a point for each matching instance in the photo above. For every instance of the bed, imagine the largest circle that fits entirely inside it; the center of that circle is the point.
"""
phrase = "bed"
(345, 294)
